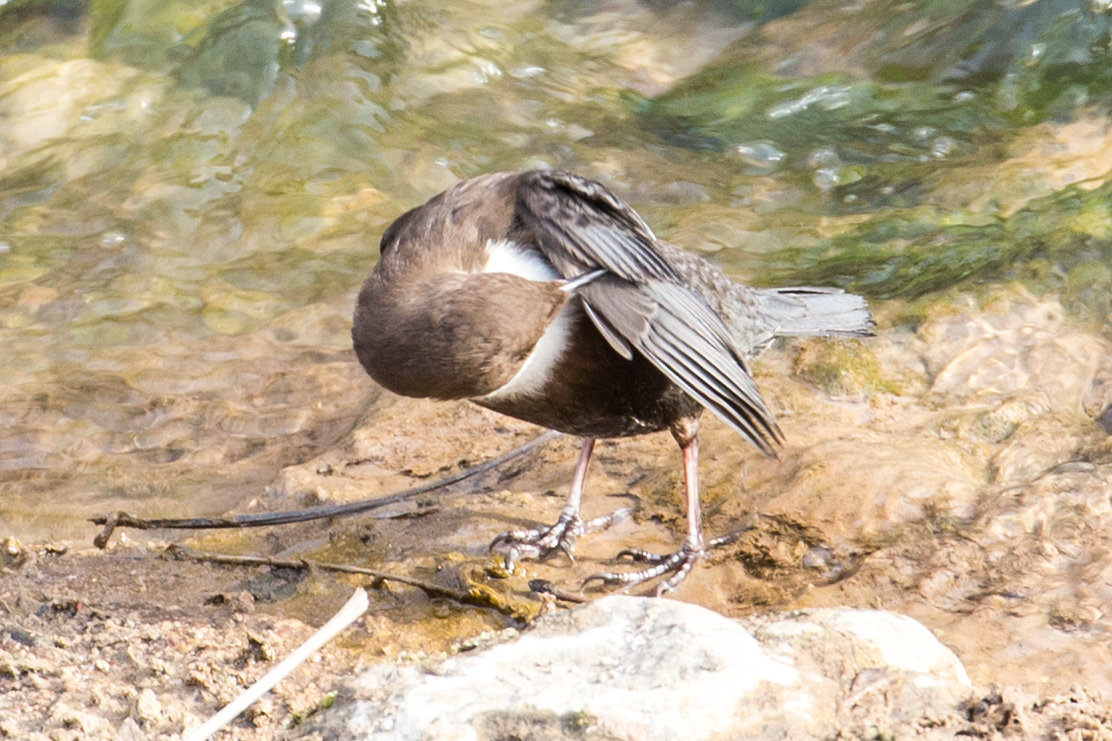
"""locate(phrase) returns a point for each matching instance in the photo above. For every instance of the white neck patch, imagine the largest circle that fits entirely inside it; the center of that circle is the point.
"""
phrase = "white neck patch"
(504, 256)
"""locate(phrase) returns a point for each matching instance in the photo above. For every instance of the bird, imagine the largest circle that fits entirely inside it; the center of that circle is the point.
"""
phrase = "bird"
(541, 295)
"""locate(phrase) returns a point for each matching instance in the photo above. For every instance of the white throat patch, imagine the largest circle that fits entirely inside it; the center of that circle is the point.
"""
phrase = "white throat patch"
(507, 257)
(504, 256)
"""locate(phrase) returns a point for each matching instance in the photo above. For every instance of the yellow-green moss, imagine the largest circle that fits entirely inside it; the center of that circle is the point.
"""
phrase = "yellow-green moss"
(842, 368)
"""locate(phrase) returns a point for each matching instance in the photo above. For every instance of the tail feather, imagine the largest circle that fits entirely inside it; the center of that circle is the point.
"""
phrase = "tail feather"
(819, 312)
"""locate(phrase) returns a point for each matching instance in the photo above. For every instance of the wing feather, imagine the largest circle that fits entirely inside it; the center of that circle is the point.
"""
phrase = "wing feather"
(732, 396)
(642, 303)
(584, 224)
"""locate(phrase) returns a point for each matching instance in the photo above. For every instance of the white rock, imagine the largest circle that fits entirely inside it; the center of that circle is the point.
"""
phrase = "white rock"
(645, 669)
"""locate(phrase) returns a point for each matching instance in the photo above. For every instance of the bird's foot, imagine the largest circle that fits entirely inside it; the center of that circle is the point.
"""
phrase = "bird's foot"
(678, 564)
(542, 542)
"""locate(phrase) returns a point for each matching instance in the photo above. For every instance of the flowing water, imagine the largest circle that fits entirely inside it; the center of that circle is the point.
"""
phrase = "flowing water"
(192, 192)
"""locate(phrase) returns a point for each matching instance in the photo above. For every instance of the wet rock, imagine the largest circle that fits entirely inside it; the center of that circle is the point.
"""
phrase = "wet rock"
(901, 483)
(1015, 344)
(1104, 419)
(631, 668)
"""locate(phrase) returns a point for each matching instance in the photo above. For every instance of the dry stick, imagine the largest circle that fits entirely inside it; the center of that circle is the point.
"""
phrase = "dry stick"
(476, 598)
(263, 519)
(347, 615)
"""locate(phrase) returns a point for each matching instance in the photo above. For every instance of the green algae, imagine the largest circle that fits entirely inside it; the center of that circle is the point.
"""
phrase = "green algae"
(843, 369)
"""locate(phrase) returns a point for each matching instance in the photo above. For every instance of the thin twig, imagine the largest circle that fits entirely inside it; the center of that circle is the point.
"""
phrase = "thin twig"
(543, 586)
(263, 519)
(473, 597)
(348, 614)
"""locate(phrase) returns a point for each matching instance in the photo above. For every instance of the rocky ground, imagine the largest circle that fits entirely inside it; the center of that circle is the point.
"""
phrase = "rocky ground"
(131, 646)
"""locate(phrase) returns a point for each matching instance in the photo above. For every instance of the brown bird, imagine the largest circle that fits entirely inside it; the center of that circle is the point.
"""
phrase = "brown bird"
(543, 296)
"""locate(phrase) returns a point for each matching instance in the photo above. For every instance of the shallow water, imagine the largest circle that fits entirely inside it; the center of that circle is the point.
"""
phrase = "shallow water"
(191, 194)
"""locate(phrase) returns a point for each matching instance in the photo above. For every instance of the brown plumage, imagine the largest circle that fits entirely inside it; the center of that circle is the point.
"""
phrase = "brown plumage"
(543, 296)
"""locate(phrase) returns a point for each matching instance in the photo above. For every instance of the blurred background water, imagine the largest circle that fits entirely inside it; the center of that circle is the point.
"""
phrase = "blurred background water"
(191, 191)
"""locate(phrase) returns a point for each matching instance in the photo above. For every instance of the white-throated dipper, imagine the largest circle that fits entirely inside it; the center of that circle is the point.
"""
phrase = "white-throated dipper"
(543, 296)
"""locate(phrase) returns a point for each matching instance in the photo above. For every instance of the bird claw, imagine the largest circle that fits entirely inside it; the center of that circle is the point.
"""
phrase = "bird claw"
(637, 555)
(539, 543)
(543, 542)
(679, 564)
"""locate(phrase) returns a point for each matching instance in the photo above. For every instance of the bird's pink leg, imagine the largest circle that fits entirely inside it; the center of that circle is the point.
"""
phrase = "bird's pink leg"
(542, 542)
(680, 563)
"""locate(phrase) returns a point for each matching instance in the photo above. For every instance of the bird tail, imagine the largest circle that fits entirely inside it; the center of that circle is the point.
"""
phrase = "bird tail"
(794, 312)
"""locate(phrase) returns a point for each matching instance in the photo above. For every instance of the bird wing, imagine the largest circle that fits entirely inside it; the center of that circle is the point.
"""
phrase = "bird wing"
(642, 303)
